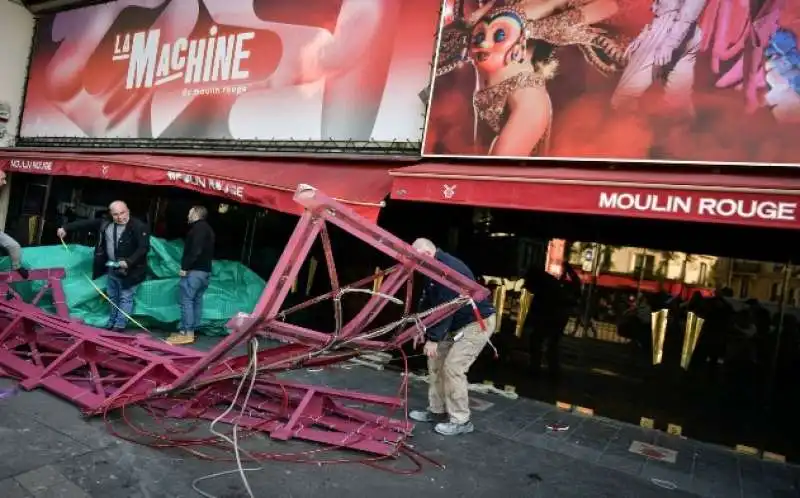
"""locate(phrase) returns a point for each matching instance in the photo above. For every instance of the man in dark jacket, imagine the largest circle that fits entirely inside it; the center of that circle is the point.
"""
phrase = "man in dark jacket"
(553, 301)
(452, 345)
(198, 253)
(121, 253)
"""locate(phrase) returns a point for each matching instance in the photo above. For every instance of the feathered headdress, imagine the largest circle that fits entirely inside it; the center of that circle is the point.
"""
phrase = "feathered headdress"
(565, 27)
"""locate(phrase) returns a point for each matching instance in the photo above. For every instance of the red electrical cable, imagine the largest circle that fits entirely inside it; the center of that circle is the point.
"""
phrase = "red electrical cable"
(168, 440)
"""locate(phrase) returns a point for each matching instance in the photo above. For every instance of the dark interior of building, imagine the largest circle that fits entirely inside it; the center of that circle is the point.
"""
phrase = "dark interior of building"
(729, 402)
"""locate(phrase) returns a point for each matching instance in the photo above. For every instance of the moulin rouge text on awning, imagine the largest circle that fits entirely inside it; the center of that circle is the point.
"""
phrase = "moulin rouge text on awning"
(700, 206)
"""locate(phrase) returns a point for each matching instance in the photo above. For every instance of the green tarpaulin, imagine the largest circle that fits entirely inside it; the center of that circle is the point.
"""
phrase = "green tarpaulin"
(233, 288)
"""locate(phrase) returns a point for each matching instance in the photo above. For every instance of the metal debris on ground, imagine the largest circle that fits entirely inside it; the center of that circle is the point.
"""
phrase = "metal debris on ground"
(102, 371)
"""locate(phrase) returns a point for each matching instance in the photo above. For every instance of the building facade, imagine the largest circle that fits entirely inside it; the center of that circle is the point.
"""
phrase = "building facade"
(495, 146)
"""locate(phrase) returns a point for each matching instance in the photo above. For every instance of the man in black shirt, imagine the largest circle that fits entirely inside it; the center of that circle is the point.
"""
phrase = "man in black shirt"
(553, 300)
(452, 345)
(121, 253)
(198, 253)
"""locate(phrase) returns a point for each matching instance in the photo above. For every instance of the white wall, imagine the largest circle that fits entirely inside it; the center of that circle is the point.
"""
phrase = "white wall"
(16, 35)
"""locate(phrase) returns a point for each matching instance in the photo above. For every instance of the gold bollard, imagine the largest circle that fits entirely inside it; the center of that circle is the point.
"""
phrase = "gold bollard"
(659, 326)
(499, 299)
(525, 298)
(694, 324)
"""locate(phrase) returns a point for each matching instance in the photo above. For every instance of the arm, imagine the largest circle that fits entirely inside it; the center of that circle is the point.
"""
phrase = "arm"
(537, 10)
(528, 121)
(571, 274)
(439, 331)
(599, 11)
(84, 225)
(574, 279)
(142, 237)
(689, 14)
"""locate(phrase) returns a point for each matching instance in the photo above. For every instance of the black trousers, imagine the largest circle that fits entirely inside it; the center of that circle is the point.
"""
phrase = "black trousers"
(545, 336)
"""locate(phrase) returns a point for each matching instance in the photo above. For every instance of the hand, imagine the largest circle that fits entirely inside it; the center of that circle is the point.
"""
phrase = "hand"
(61, 233)
(431, 349)
(182, 273)
(663, 55)
(123, 264)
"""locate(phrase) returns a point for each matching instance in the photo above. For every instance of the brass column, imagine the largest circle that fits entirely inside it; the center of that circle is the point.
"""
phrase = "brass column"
(694, 324)
(499, 299)
(658, 324)
(525, 298)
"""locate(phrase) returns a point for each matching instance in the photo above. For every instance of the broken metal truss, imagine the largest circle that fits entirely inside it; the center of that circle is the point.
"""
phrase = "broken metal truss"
(100, 370)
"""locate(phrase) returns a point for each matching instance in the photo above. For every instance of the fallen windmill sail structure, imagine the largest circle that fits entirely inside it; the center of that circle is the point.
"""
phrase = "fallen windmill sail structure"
(101, 371)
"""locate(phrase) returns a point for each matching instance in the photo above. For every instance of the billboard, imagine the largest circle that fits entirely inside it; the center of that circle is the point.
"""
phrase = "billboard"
(696, 81)
(261, 70)
(15, 38)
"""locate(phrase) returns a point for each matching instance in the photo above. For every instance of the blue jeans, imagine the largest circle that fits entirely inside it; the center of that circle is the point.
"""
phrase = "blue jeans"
(193, 286)
(122, 298)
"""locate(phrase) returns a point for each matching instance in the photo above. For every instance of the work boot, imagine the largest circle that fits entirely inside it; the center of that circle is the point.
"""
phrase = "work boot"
(23, 272)
(181, 338)
(453, 428)
(174, 338)
(427, 416)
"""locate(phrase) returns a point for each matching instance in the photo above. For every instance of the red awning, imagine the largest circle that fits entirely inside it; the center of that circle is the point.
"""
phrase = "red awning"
(616, 281)
(264, 182)
(723, 198)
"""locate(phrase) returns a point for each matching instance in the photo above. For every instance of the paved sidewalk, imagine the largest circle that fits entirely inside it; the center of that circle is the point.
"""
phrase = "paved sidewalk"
(49, 450)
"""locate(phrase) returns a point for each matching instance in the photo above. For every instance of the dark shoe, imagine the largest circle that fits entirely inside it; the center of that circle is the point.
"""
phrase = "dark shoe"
(427, 416)
(23, 272)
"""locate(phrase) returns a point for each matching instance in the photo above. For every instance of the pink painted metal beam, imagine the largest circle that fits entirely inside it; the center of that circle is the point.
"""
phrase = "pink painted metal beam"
(321, 209)
(100, 370)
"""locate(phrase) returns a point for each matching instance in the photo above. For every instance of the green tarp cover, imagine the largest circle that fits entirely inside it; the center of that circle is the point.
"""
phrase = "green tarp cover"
(233, 288)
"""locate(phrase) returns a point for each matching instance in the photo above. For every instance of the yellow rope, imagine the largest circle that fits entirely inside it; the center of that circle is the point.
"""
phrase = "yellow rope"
(103, 294)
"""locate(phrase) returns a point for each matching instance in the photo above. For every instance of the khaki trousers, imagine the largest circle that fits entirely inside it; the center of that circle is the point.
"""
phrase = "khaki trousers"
(447, 373)
(13, 248)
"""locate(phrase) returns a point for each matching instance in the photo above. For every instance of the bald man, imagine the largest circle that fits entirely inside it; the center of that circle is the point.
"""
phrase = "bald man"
(451, 345)
(120, 253)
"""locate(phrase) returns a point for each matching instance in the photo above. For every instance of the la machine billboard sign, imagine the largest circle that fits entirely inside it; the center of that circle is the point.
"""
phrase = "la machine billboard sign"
(233, 71)
(204, 60)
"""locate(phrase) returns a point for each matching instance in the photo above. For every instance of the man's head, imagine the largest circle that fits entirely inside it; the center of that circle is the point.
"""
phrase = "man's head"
(119, 212)
(2, 178)
(425, 246)
(197, 213)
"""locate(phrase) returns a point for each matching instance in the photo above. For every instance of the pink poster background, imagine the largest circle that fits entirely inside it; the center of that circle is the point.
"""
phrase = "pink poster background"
(318, 70)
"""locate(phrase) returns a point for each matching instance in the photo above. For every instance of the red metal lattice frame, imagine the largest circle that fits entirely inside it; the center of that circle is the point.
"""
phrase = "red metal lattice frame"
(99, 370)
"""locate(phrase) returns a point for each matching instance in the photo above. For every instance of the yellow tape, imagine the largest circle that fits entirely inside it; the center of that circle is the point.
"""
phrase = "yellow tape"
(103, 294)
